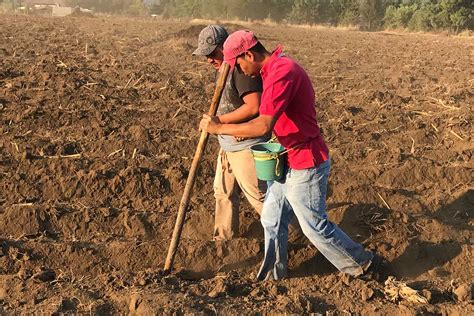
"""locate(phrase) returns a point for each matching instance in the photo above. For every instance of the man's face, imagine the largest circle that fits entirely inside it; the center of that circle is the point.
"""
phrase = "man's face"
(246, 65)
(216, 58)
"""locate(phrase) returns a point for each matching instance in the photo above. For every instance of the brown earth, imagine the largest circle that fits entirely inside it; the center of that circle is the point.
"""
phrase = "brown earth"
(98, 127)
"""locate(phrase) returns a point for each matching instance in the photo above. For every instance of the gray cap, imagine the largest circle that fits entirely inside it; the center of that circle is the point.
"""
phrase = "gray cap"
(210, 37)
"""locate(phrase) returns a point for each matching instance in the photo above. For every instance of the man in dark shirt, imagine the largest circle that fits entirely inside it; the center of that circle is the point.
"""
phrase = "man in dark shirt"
(235, 171)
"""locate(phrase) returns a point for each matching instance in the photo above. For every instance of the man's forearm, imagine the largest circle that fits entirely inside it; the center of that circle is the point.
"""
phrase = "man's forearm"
(251, 129)
(244, 113)
(247, 111)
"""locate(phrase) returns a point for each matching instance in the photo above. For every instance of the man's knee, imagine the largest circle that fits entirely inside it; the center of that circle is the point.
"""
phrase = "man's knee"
(321, 227)
(269, 222)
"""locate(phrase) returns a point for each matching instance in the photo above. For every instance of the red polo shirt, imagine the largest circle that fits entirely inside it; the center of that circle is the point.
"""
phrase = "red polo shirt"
(288, 95)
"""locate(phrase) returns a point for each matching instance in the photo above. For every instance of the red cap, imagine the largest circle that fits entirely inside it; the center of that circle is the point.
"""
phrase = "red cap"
(236, 44)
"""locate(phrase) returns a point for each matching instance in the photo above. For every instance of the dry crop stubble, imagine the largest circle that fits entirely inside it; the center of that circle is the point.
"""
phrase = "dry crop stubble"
(98, 113)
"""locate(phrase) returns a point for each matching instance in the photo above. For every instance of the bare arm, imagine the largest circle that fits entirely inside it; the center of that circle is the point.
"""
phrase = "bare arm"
(245, 112)
(259, 126)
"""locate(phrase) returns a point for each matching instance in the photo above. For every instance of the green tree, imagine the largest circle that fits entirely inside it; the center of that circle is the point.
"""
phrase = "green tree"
(8, 5)
(279, 9)
(136, 7)
(398, 17)
(371, 14)
(426, 15)
(457, 14)
(183, 8)
(422, 19)
(461, 19)
(346, 12)
(304, 11)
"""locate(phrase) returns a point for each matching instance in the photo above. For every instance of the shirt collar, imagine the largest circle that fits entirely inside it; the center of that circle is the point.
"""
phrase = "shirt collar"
(278, 52)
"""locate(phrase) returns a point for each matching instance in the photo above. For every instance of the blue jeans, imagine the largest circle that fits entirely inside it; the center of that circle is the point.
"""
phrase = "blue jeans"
(304, 193)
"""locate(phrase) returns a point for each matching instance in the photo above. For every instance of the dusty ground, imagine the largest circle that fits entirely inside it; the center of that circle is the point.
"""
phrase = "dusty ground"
(98, 126)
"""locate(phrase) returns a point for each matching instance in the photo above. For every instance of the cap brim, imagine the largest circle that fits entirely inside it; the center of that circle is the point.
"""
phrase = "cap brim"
(204, 51)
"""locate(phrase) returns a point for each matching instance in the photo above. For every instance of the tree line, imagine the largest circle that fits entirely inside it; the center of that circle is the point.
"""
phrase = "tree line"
(415, 15)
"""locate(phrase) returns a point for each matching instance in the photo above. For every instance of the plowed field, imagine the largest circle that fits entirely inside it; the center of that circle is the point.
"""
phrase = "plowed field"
(98, 129)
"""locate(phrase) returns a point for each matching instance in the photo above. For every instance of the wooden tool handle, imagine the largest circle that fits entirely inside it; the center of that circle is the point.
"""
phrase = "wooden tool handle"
(183, 205)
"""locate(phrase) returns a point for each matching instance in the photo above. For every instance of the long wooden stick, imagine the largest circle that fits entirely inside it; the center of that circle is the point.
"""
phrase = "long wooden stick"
(183, 205)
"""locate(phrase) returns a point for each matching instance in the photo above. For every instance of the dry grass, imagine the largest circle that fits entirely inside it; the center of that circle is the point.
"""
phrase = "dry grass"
(268, 22)
(445, 33)
(466, 33)
(374, 220)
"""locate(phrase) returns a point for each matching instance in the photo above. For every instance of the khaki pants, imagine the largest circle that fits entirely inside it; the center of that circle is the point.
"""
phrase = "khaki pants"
(235, 173)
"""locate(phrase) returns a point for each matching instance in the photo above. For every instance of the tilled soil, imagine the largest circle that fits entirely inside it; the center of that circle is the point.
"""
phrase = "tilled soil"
(98, 128)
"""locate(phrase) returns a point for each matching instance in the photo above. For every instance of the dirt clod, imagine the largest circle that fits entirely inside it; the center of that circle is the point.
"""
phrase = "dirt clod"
(464, 292)
(44, 275)
(24, 273)
(3, 294)
(366, 293)
(135, 301)
(219, 289)
(428, 294)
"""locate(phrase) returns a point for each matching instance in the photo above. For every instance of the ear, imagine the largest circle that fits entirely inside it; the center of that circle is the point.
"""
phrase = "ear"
(249, 56)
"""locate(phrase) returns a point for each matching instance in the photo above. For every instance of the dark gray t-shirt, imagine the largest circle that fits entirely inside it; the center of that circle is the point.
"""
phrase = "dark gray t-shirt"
(236, 87)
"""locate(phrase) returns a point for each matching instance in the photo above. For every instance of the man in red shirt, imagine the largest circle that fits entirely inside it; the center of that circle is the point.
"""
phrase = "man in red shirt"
(287, 108)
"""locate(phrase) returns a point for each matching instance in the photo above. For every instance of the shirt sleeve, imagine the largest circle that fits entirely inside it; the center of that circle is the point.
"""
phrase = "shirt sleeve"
(245, 84)
(278, 91)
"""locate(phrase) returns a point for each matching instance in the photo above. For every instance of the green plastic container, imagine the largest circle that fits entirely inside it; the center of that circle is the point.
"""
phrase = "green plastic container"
(269, 161)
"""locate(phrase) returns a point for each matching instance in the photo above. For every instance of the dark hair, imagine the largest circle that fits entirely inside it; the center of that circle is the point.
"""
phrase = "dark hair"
(258, 48)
